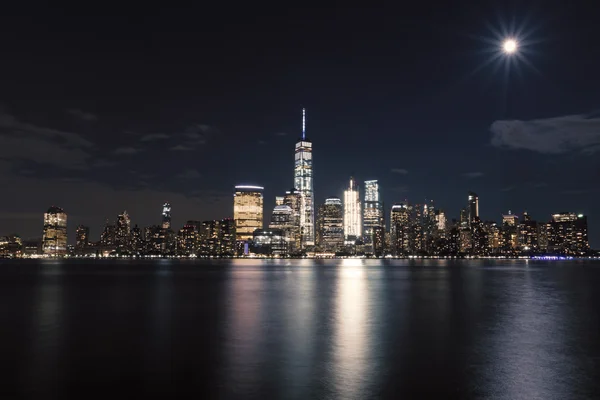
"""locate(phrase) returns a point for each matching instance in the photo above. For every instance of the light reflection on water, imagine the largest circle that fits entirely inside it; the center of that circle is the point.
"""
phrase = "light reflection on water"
(305, 329)
(351, 345)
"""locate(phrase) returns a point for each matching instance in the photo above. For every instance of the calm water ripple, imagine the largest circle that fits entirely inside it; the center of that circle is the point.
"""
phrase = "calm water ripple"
(300, 329)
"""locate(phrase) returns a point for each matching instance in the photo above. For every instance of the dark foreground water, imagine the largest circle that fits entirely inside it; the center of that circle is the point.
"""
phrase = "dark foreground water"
(303, 329)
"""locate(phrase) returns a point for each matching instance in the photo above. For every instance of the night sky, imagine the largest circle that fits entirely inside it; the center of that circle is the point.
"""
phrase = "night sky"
(100, 114)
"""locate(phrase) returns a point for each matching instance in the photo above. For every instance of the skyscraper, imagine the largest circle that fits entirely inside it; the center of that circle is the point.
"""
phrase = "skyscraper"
(510, 234)
(123, 234)
(400, 229)
(247, 210)
(166, 216)
(282, 219)
(373, 212)
(187, 240)
(108, 235)
(473, 208)
(293, 199)
(227, 237)
(330, 229)
(82, 238)
(352, 215)
(303, 182)
(568, 234)
(54, 239)
(136, 239)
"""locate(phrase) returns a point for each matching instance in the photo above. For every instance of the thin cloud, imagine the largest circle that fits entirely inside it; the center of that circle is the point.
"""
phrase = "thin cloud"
(42, 152)
(181, 147)
(25, 141)
(153, 137)
(549, 136)
(12, 126)
(400, 171)
(82, 115)
(124, 151)
(473, 175)
(194, 136)
(508, 188)
(189, 174)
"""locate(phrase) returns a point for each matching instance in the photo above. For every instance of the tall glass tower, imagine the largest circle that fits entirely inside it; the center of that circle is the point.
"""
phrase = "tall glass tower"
(247, 210)
(473, 209)
(352, 215)
(166, 216)
(303, 182)
(373, 210)
(54, 239)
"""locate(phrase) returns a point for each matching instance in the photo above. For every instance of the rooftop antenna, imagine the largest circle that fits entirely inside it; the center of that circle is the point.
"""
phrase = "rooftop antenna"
(304, 124)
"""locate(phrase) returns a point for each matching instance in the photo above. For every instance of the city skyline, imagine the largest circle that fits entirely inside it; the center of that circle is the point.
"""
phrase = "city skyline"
(358, 220)
(414, 230)
(415, 106)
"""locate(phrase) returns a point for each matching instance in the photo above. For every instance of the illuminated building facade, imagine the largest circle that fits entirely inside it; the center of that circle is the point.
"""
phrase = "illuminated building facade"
(465, 241)
(209, 235)
(247, 211)
(440, 221)
(400, 230)
(494, 237)
(216, 237)
(269, 242)
(330, 225)
(479, 238)
(293, 199)
(82, 237)
(283, 219)
(227, 237)
(54, 238)
(567, 234)
(352, 214)
(378, 241)
(303, 182)
(137, 241)
(510, 234)
(123, 232)
(473, 207)
(11, 246)
(187, 240)
(372, 212)
(417, 228)
(108, 235)
(166, 216)
(153, 236)
(464, 218)
(510, 219)
(528, 235)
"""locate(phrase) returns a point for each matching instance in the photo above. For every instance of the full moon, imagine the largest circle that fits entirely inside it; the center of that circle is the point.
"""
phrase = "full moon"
(509, 46)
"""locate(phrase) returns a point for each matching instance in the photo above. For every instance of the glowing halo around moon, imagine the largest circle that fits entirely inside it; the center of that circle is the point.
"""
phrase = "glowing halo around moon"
(510, 46)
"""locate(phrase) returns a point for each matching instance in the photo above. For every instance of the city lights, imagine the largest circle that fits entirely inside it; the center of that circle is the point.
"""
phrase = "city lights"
(345, 227)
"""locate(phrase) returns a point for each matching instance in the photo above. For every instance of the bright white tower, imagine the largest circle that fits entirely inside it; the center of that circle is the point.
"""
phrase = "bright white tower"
(352, 215)
(303, 182)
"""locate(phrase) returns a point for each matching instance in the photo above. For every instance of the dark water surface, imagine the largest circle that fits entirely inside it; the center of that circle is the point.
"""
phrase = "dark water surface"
(301, 329)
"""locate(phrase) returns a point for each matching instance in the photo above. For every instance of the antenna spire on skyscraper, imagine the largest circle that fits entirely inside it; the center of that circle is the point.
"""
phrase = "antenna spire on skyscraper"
(304, 124)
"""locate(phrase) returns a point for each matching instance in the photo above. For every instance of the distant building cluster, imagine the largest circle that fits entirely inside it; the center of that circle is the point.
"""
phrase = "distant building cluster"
(354, 225)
